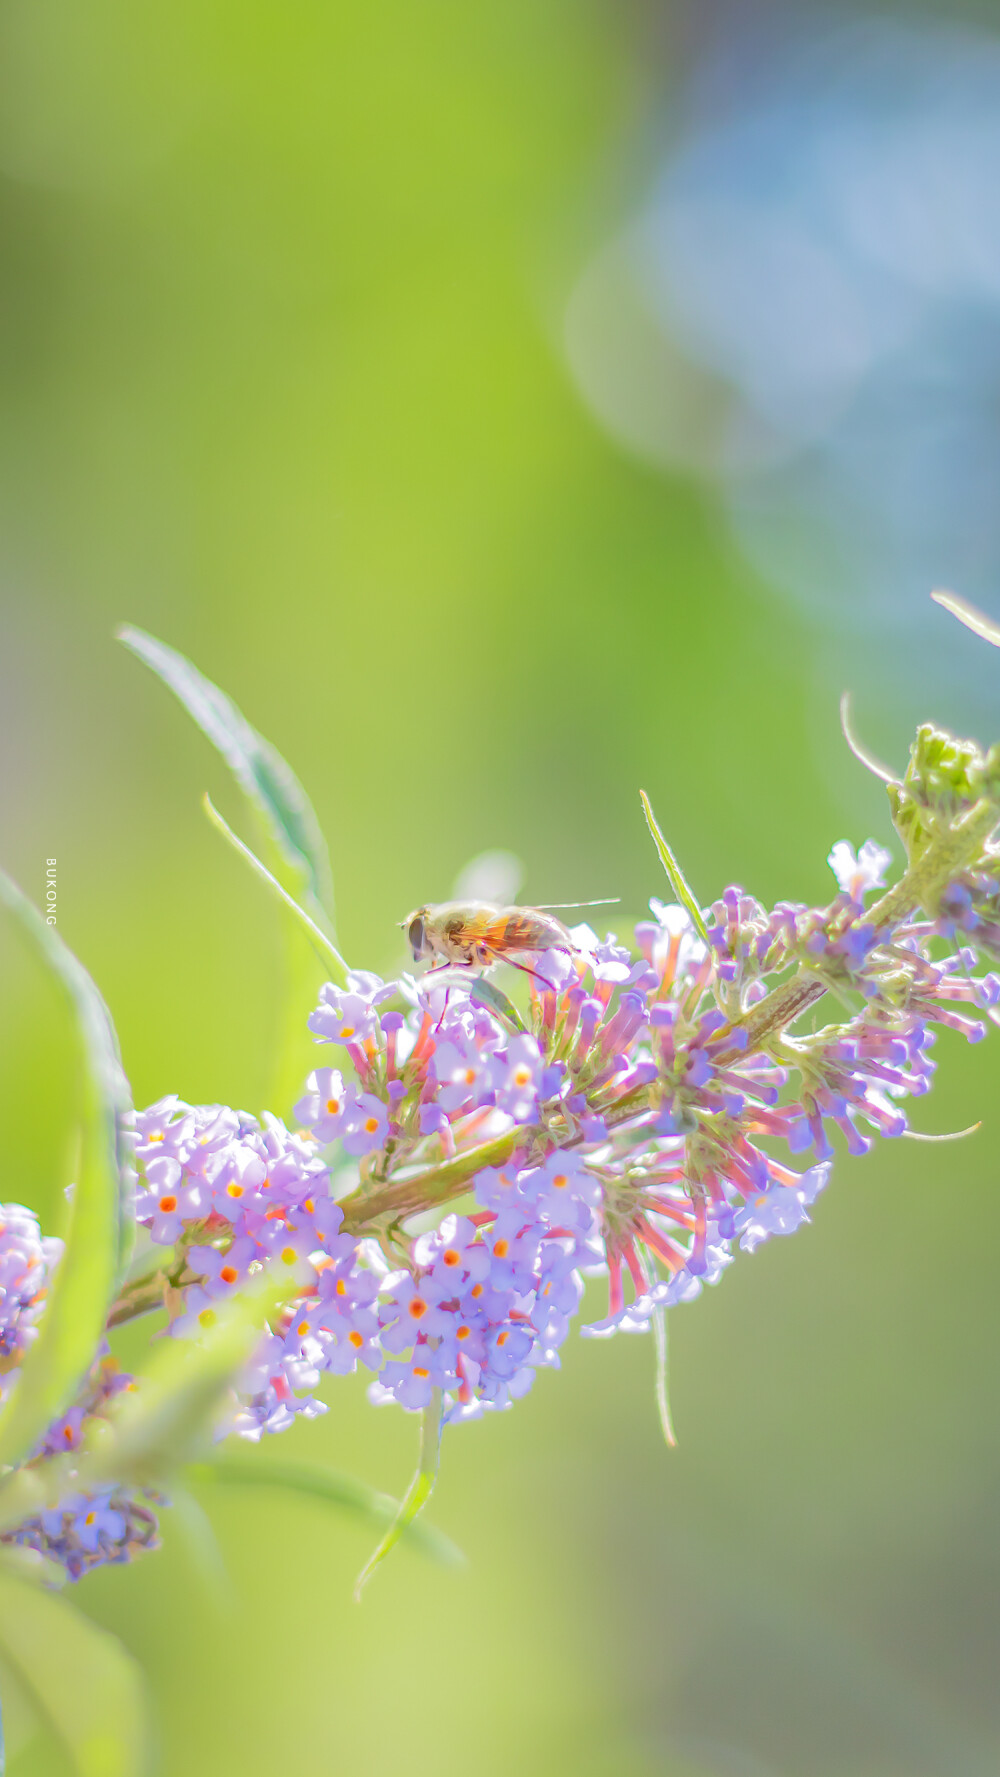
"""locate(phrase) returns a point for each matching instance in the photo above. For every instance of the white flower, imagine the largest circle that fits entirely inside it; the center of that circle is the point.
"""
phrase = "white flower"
(856, 874)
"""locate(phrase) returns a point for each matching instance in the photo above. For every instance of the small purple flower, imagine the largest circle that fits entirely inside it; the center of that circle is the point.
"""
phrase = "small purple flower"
(463, 1075)
(410, 1310)
(236, 1177)
(168, 1198)
(367, 1124)
(97, 1523)
(86, 1531)
(410, 1381)
(453, 1256)
(327, 1104)
(66, 1432)
(781, 1209)
(562, 1190)
(222, 1272)
(350, 1017)
(517, 1076)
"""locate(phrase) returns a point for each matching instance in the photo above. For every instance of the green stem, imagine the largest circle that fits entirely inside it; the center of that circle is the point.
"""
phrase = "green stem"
(425, 1190)
(418, 1492)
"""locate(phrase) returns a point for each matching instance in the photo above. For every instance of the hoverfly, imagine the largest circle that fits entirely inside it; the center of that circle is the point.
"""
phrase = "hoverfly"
(475, 934)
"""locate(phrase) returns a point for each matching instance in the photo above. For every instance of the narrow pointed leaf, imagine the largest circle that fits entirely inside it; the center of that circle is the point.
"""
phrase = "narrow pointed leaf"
(663, 1377)
(345, 1492)
(191, 1527)
(101, 1225)
(416, 1495)
(861, 753)
(262, 774)
(675, 875)
(327, 952)
(86, 1689)
(974, 619)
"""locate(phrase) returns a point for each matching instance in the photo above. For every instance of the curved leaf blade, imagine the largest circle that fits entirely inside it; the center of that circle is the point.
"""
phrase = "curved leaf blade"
(166, 1420)
(85, 1687)
(326, 951)
(101, 1220)
(268, 783)
(675, 875)
(333, 1488)
(172, 1412)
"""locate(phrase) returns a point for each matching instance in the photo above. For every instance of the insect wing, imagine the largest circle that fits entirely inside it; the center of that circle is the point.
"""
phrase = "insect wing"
(521, 929)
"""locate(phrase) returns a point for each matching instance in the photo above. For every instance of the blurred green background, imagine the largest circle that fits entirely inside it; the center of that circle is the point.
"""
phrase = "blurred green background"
(284, 380)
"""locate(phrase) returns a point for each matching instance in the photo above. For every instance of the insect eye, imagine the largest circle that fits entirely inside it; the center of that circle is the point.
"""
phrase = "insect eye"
(416, 937)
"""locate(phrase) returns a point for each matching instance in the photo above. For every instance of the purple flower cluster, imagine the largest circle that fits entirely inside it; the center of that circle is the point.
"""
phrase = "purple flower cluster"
(26, 1262)
(235, 1195)
(460, 1166)
(91, 1530)
(634, 1123)
(492, 1295)
(105, 1382)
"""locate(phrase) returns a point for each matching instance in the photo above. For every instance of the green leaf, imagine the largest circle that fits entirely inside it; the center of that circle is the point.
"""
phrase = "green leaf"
(327, 952)
(191, 1527)
(101, 1219)
(162, 1423)
(974, 619)
(675, 875)
(484, 993)
(158, 1425)
(343, 1491)
(416, 1495)
(86, 1689)
(269, 785)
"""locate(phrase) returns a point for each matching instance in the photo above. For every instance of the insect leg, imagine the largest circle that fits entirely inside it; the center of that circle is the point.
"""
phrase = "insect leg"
(498, 958)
